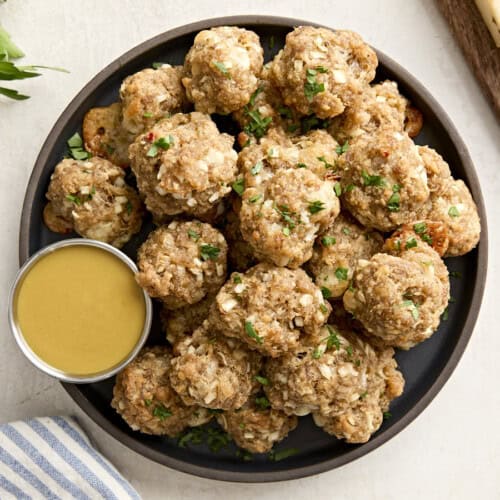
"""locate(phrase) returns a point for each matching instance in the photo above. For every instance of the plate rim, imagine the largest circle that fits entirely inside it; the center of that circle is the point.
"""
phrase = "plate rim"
(458, 350)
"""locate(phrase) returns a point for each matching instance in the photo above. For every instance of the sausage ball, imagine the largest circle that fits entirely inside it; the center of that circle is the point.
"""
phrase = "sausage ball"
(378, 106)
(336, 253)
(384, 180)
(150, 95)
(92, 198)
(398, 299)
(182, 322)
(365, 415)
(269, 308)
(283, 207)
(456, 209)
(104, 135)
(264, 111)
(144, 397)
(321, 71)
(326, 374)
(213, 370)
(182, 263)
(221, 69)
(255, 426)
(183, 164)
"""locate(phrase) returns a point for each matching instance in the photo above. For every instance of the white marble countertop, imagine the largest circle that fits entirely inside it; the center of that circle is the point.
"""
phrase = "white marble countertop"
(452, 451)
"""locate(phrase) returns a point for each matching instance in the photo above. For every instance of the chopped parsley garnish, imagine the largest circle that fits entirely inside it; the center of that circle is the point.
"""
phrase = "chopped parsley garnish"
(76, 150)
(237, 279)
(256, 168)
(157, 65)
(74, 199)
(292, 127)
(253, 97)
(444, 316)
(262, 380)
(316, 206)
(193, 436)
(147, 114)
(421, 229)
(342, 149)
(286, 231)
(262, 402)
(277, 456)
(453, 211)
(349, 350)
(193, 235)
(411, 243)
(271, 42)
(337, 187)
(328, 241)
(349, 188)
(301, 165)
(250, 331)
(317, 353)
(341, 273)
(161, 412)
(222, 68)
(395, 199)
(323, 160)
(258, 125)
(312, 86)
(413, 308)
(346, 230)
(239, 186)
(332, 339)
(372, 180)
(323, 309)
(285, 112)
(326, 292)
(255, 199)
(209, 252)
(455, 274)
(287, 217)
(217, 439)
(245, 455)
(148, 402)
(129, 207)
(161, 143)
(387, 415)
(363, 396)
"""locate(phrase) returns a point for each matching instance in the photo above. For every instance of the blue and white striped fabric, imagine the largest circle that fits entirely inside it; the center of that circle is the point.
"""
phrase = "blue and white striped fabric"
(51, 457)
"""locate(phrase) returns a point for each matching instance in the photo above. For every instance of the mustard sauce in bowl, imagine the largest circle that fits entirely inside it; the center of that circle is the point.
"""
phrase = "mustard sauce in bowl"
(77, 312)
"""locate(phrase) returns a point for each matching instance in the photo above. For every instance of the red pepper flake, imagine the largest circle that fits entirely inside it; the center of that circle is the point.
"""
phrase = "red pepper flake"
(385, 154)
(150, 137)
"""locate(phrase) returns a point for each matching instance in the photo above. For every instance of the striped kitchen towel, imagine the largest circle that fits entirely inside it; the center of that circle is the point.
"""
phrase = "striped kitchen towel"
(51, 457)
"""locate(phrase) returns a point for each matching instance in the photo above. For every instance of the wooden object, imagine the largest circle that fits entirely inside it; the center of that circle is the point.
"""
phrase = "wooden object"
(477, 44)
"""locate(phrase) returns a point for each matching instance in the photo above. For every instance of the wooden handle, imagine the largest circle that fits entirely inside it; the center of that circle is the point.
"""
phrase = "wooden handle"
(477, 45)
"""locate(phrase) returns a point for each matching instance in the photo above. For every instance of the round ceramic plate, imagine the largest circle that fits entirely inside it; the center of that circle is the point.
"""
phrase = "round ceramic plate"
(426, 367)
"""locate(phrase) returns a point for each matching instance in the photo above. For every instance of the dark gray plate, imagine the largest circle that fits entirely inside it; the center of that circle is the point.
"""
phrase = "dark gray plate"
(426, 367)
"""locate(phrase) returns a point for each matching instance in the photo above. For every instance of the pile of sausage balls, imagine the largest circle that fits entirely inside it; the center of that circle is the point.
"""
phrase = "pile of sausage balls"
(291, 260)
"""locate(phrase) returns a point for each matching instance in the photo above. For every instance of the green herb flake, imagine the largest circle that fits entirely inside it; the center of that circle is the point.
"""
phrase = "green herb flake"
(250, 331)
(277, 456)
(209, 252)
(332, 340)
(194, 435)
(411, 243)
(76, 150)
(328, 241)
(285, 112)
(148, 402)
(317, 353)
(193, 235)
(271, 42)
(326, 292)
(444, 316)
(147, 114)
(312, 86)
(161, 143)
(75, 141)
(453, 211)
(256, 168)
(337, 187)
(257, 125)
(323, 160)
(255, 199)
(129, 207)
(262, 380)
(161, 412)
(222, 68)
(387, 415)
(372, 180)
(455, 274)
(341, 273)
(244, 455)
(349, 351)
(346, 230)
(395, 199)
(413, 308)
(323, 309)
(262, 402)
(239, 186)
(341, 149)
(157, 65)
(349, 188)
(316, 206)
(237, 279)
(363, 395)
(301, 165)
(74, 199)
(217, 439)
(286, 231)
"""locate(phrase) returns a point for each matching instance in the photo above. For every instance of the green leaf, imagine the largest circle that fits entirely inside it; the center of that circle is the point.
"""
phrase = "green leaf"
(341, 149)
(328, 241)
(239, 186)
(75, 141)
(262, 380)
(9, 71)
(256, 168)
(222, 68)
(161, 412)
(411, 243)
(13, 94)
(262, 402)
(372, 180)
(326, 292)
(193, 235)
(163, 143)
(341, 273)
(316, 206)
(453, 211)
(250, 331)
(337, 188)
(209, 252)
(7, 46)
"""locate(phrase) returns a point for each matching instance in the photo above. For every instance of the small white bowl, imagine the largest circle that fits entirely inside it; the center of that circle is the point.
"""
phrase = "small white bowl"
(26, 349)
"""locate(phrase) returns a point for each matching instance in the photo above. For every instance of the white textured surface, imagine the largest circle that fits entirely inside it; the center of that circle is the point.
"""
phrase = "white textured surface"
(452, 451)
